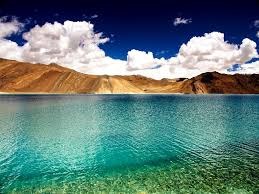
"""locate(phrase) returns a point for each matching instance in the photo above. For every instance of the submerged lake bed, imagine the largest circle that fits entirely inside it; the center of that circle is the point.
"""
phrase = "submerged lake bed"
(129, 143)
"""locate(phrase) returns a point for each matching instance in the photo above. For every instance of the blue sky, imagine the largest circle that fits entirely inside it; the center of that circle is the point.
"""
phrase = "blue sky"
(144, 25)
(166, 38)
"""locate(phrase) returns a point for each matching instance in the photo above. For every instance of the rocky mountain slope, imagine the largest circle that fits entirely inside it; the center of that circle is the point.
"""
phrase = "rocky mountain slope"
(214, 82)
(19, 77)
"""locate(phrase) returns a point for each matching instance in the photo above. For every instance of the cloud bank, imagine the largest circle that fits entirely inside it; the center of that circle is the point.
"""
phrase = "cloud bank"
(77, 46)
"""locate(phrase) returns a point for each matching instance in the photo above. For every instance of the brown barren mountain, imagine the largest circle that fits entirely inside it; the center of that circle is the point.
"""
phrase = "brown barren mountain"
(19, 77)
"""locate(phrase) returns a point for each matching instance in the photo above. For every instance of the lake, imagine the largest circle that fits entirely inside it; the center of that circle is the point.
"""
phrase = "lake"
(129, 143)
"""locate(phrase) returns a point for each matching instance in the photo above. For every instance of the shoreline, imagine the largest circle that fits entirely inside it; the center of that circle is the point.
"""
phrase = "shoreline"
(96, 94)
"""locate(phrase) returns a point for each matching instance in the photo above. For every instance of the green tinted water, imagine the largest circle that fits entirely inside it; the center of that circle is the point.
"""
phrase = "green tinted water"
(129, 143)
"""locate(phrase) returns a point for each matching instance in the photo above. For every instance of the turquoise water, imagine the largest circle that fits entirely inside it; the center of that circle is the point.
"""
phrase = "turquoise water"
(129, 143)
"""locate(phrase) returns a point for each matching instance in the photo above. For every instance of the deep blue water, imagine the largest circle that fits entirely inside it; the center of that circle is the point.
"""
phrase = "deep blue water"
(129, 143)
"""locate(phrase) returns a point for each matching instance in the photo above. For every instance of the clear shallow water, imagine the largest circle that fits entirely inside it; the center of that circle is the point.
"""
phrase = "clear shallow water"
(129, 143)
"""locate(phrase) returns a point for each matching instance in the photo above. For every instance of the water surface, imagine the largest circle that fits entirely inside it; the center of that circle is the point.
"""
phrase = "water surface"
(129, 143)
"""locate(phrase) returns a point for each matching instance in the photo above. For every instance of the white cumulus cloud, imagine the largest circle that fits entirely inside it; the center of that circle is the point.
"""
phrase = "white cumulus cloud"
(72, 44)
(211, 53)
(9, 26)
(249, 68)
(77, 46)
(137, 60)
(9, 49)
(179, 20)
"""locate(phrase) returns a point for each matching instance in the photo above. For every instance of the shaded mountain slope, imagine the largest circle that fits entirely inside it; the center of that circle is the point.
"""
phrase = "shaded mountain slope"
(214, 82)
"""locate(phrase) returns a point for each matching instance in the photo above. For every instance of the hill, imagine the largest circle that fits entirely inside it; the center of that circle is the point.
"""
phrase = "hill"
(20, 77)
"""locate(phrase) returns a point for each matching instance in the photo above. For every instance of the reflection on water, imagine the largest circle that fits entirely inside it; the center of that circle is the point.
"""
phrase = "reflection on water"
(129, 143)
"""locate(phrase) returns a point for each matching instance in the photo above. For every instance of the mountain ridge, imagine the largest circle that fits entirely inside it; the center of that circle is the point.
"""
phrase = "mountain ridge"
(22, 77)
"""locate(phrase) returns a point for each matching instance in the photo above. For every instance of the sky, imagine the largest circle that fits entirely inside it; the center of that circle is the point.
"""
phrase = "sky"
(157, 39)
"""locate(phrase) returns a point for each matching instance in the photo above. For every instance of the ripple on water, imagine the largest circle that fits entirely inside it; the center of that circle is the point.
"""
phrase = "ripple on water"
(121, 143)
